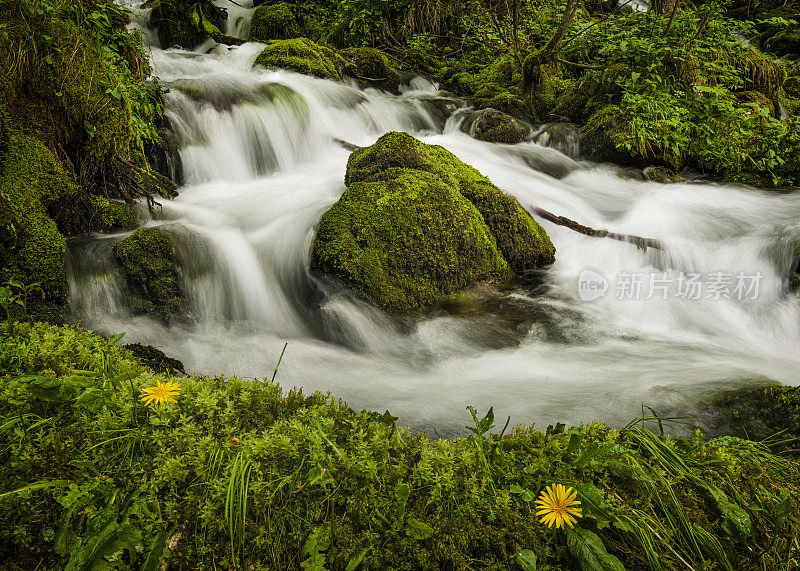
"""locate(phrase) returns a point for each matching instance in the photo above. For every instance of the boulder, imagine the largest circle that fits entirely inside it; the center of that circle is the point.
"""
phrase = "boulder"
(273, 22)
(416, 224)
(495, 127)
(185, 23)
(303, 56)
(147, 261)
(371, 67)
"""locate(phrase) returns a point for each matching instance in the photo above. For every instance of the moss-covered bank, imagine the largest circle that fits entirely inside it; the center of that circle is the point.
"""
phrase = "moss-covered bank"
(77, 110)
(240, 473)
(417, 224)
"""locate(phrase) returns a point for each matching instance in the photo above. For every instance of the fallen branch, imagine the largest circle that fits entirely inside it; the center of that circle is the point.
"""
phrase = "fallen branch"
(346, 145)
(638, 241)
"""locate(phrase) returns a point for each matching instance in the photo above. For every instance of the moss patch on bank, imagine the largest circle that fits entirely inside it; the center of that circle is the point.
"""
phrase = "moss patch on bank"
(92, 477)
(417, 224)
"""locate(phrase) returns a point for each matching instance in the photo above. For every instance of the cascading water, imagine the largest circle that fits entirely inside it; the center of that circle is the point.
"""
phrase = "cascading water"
(262, 165)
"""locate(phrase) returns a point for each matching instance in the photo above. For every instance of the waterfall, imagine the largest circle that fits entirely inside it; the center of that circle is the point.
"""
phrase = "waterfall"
(262, 165)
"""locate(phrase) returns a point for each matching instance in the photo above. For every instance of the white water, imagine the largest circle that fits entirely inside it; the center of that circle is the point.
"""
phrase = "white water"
(262, 170)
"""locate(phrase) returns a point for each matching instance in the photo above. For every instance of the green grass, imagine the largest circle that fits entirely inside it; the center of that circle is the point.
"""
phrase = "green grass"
(241, 472)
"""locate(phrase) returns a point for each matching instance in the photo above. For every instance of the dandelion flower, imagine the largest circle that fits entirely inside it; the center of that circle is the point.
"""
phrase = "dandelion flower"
(557, 505)
(161, 393)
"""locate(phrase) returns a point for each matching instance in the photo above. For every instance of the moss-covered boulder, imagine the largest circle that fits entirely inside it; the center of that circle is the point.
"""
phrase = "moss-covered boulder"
(372, 67)
(185, 23)
(147, 261)
(416, 224)
(31, 181)
(495, 126)
(273, 22)
(303, 56)
(600, 136)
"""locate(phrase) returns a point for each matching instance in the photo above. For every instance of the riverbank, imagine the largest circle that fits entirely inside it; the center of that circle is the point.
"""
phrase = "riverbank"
(240, 472)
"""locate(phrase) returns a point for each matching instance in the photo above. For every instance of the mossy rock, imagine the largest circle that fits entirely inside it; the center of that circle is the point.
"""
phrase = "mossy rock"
(757, 413)
(31, 181)
(600, 135)
(371, 66)
(789, 95)
(785, 43)
(416, 224)
(185, 23)
(662, 174)
(273, 22)
(301, 55)
(759, 99)
(147, 261)
(495, 126)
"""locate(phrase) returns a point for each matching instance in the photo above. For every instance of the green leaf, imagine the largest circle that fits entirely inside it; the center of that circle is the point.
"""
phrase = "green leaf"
(91, 399)
(114, 339)
(735, 520)
(588, 550)
(418, 530)
(593, 505)
(527, 560)
(353, 564)
(517, 489)
(155, 557)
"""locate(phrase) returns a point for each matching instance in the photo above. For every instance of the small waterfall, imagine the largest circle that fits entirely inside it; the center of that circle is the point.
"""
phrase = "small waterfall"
(262, 165)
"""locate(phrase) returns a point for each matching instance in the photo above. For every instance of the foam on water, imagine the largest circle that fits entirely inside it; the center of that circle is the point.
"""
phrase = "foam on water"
(262, 165)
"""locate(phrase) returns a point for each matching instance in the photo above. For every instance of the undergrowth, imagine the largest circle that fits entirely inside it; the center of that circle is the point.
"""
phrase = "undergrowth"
(239, 473)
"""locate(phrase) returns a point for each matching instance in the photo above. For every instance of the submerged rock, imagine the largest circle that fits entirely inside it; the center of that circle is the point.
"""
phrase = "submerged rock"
(495, 126)
(371, 67)
(563, 137)
(664, 175)
(147, 260)
(417, 224)
(303, 56)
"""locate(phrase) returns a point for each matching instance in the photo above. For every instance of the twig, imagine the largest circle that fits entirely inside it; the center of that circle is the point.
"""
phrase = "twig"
(638, 241)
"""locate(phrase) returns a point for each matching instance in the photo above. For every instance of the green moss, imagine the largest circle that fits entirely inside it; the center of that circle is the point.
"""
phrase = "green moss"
(758, 98)
(301, 55)
(600, 136)
(132, 477)
(417, 224)
(495, 127)
(758, 413)
(114, 214)
(372, 66)
(785, 42)
(184, 23)
(273, 22)
(31, 180)
(147, 259)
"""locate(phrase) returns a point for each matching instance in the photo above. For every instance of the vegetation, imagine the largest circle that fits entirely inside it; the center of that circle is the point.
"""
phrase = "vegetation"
(241, 473)
(77, 113)
(417, 224)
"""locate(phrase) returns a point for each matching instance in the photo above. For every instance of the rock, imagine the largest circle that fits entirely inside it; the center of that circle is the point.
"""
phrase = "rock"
(417, 224)
(147, 260)
(662, 174)
(185, 23)
(495, 127)
(371, 67)
(599, 137)
(563, 137)
(303, 56)
(273, 22)
(759, 99)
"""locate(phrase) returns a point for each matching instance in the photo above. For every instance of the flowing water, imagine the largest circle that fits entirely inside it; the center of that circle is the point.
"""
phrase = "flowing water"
(262, 165)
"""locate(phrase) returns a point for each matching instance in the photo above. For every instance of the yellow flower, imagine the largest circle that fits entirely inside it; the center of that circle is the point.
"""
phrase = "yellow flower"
(556, 505)
(161, 393)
